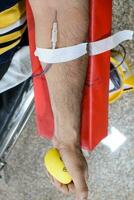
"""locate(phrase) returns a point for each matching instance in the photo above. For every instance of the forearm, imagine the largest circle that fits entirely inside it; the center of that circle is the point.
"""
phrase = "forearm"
(66, 80)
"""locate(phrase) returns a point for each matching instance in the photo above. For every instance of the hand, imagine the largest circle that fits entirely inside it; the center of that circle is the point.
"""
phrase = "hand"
(77, 167)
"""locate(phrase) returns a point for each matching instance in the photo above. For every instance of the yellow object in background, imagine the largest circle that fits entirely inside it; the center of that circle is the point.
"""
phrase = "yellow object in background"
(56, 167)
(121, 78)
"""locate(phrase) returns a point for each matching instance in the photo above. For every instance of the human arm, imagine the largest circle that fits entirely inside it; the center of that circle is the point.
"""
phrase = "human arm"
(65, 80)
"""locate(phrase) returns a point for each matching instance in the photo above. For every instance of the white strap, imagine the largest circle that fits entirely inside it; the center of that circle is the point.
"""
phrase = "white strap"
(109, 43)
(62, 54)
(73, 52)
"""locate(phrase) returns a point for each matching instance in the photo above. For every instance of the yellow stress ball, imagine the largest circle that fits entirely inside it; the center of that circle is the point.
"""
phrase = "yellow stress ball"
(56, 167)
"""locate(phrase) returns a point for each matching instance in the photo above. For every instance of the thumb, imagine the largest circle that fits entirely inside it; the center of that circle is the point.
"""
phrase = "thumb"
(80, 185)
(78, 169)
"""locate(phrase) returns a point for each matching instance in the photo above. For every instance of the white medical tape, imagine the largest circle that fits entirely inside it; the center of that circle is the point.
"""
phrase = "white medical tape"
(109, 43)
(13, 26)
(66, 54)
(62, 54)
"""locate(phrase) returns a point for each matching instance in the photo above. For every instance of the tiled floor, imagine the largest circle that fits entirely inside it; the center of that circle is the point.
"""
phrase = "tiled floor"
(111, 172)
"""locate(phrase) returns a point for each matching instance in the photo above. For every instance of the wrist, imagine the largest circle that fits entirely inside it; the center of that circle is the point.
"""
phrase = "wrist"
(65, 140)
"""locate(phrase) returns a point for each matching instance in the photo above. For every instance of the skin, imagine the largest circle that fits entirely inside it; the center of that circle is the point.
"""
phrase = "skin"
(65, 83)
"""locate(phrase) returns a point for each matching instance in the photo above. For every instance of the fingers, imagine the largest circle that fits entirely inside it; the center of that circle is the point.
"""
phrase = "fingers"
(66, 189)
(61, 187)
(71, 187)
